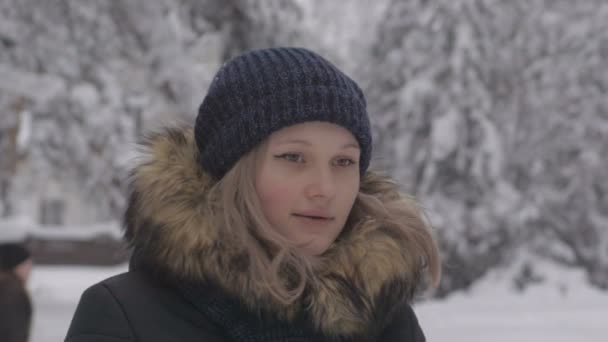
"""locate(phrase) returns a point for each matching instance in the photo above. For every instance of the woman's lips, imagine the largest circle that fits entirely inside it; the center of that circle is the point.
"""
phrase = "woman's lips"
(314, 218)
(315, 215)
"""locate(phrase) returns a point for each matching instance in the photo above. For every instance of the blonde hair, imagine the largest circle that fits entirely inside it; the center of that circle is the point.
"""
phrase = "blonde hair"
(274, 261)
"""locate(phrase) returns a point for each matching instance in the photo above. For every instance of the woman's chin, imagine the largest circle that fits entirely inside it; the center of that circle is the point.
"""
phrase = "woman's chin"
(315, 248)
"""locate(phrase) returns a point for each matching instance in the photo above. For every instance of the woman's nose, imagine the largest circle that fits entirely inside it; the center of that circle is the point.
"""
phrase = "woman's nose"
(322, 183)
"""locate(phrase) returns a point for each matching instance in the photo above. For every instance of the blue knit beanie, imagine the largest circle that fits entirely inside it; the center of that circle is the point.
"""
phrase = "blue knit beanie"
(262, 91)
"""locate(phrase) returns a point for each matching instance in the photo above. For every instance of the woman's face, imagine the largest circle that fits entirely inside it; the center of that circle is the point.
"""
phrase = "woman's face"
(307, 182)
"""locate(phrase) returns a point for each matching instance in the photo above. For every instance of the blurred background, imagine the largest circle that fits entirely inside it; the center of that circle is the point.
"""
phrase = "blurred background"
(493, 113)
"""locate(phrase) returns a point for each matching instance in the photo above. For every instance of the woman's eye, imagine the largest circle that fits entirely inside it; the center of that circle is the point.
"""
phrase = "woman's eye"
(292, 157)
(345, 162)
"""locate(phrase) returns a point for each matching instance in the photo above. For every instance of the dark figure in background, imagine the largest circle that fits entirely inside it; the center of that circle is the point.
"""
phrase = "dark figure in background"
(15, 309)
(15, 303)
(16, 259)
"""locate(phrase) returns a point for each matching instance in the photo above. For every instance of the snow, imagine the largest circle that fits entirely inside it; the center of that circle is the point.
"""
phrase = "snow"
(40, 87)
(15, 228)
(78, 233)
(20, 228)
(25, 132)
(563, 308)
(445, 134)
(55, 292)
(86, 95)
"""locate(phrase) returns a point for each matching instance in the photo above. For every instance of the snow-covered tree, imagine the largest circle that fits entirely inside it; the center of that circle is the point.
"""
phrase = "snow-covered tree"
(96, 75)
(493, 113)
(476, 98)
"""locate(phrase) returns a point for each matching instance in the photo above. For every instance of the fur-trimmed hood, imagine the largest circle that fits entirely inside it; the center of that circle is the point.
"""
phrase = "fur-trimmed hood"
(361, 280)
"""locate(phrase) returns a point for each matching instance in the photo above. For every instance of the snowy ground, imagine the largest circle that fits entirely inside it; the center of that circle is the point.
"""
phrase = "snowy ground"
(55, 291)
(563, 309)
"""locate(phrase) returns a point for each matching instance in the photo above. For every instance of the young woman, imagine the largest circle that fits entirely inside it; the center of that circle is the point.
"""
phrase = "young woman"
(263, 223)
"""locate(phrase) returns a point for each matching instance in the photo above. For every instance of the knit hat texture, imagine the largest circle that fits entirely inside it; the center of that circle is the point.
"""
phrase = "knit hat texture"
(262, 91)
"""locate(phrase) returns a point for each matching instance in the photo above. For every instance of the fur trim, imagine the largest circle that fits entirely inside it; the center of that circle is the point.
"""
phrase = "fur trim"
(361, 280)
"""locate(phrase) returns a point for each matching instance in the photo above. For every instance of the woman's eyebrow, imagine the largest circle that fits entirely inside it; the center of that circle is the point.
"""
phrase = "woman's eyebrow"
(294, 141)
(351, 145)
(308, 143)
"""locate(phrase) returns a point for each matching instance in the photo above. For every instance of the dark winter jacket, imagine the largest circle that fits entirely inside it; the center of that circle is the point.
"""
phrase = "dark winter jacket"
(190, 282)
